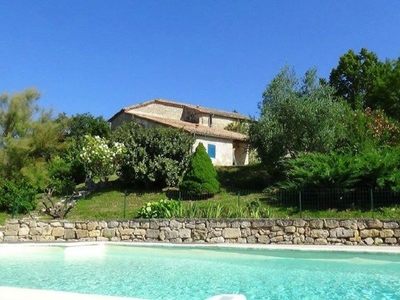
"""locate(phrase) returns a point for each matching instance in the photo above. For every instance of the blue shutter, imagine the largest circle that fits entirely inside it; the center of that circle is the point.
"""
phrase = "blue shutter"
(211, 150)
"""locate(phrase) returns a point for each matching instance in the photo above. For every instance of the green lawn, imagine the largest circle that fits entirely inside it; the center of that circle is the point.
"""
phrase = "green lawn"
(112, 202)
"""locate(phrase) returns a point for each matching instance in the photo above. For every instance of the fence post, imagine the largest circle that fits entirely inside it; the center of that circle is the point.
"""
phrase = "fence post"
(238, 199)
(180, 195)
(300, 204)
(372, 201)
(125, 195)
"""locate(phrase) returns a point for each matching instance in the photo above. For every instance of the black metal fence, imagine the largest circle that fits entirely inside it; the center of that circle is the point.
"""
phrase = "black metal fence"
(364, 199)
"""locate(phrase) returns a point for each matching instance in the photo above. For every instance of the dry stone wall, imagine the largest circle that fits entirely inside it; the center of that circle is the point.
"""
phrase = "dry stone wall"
(260, 231)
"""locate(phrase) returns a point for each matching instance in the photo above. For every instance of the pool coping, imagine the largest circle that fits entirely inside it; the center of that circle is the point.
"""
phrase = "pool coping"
(292, 247)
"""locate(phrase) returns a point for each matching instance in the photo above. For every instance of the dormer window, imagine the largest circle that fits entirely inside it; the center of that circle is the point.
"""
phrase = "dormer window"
(210, 121)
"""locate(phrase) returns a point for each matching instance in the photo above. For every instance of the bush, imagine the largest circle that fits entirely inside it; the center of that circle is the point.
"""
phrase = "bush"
(61, 175)
(161, 209)
(201, 177)
(154, 157)
(17, 196)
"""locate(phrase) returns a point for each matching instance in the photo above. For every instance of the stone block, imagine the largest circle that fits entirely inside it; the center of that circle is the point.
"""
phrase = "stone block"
(344, 233)
(69, 225)
(321, 241)
(217, 240)
(374, 223)
(10, 238)
(55, 224)
(199, 234)
(386, 233)
(369, 241)
(217, 224)
(184, 233)
(299, 223)
(170, 234)
(152, 233)
(263, 239)
(284, 223)
(390, 240)
(319, 233)
(231, 233)
(69, 234)
(349, 224)
(58, 232)
(318, 224)
(23, 231)
(126, 231)
(391, 225)
(138, 231)
(290, 229)
(109, 233)
(92, 225)
(366, 233)
(94, 233)
(251, 239)
(329, 223)
(112, 224)
(81, 233)
(245, 224)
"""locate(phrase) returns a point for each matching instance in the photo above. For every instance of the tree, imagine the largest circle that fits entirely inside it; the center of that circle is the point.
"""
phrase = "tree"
(200, 179)
(28, 135)
(101, 159)
(365, 81)
(80, 125)
(297, 116)
(154, 157)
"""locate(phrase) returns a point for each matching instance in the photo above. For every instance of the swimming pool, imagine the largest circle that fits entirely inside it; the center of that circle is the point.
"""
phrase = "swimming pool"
(159, 272)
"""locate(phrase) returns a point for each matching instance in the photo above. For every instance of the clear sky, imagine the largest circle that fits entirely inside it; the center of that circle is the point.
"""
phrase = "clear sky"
(100, 56)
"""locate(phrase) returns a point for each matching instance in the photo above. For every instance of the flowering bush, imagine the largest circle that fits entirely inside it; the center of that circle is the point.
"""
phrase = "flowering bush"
(100, 159)
(160, 209)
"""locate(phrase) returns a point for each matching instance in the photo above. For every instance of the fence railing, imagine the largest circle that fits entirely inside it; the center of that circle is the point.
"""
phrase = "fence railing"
(295, 203)
(364, 199)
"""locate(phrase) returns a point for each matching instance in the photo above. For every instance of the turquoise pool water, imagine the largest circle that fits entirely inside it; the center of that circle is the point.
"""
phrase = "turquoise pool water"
(185, 273)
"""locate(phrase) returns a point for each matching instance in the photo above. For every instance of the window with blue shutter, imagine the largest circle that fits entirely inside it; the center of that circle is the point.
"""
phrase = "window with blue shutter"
(211, 150)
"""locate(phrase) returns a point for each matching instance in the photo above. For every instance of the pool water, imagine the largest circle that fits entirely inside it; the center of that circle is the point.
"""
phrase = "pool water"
(184, 273)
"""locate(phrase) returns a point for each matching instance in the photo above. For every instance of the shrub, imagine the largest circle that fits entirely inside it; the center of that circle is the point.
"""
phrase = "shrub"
(161, 209)
(200, 178)
(17, 196)
(154, 157)
(61, 175)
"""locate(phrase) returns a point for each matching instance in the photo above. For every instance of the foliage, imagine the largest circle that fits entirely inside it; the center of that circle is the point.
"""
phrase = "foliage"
(365, 81)
(17, 196)
(61, 176)
(161, 209)
(297, 117)
(240, 126)
(80, 125)
(154, 157)
(27, 133)
(100, 159)
(370, 168)
(200, 177)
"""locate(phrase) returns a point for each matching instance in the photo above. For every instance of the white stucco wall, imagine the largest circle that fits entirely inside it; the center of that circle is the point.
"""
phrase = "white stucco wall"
(223, 150)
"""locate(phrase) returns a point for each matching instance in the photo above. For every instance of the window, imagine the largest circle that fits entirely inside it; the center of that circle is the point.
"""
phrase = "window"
(211, 150)
(210, 120)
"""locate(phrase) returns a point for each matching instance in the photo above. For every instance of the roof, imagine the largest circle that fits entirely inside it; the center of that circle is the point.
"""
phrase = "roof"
(204, 110)
(194, 128)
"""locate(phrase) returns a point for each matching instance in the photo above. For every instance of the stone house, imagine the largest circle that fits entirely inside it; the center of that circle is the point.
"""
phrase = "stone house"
(207, 126)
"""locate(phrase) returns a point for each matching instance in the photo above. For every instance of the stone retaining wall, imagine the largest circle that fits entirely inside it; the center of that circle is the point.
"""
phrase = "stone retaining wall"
(262, 231)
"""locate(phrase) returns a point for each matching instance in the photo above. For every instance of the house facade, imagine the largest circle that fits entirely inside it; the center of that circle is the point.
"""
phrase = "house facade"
(207, 126)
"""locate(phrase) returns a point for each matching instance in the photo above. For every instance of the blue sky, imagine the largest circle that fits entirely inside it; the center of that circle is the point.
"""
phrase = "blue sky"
(100, 56)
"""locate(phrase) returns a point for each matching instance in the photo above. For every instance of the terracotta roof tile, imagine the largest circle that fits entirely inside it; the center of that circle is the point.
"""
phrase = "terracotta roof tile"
(194, 128)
